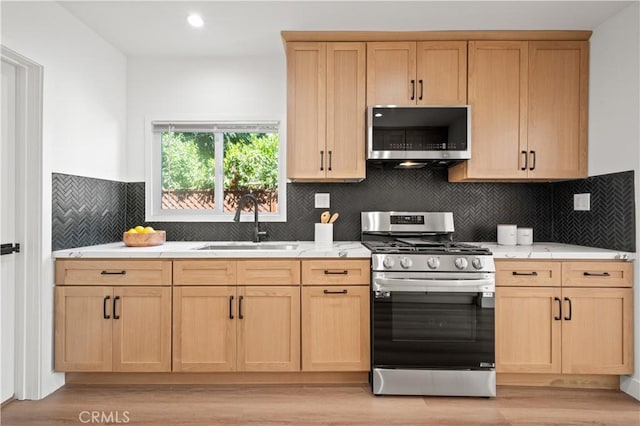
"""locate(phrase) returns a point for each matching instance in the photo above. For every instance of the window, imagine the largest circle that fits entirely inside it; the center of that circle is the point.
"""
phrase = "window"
(199, 170)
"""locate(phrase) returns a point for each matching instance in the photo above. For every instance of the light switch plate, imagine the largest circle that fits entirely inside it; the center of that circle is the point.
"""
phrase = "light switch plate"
(323, 201)
(582, 202)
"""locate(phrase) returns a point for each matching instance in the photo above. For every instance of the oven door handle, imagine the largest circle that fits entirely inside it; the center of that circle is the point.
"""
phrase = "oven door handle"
(438, 285)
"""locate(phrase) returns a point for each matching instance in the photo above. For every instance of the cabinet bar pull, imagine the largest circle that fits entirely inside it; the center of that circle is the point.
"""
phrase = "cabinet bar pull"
(528, 274)
(115, 301)
(329, 160)
(533, 160)
(328, 272)
(559, 317)
(570, 309)
(596, 274)
(240, 316)
(421, 89)
(321, 160)
(413, 89)
(526, 158)
(105, 315)
(343, 291)
(230, 307)
(113, 273)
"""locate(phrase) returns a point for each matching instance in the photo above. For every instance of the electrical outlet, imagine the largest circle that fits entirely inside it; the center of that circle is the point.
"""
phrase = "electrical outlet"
(582, 202)
(323, 201)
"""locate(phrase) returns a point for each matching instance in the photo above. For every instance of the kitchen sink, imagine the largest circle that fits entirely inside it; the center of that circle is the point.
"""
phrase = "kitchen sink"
(249, 246)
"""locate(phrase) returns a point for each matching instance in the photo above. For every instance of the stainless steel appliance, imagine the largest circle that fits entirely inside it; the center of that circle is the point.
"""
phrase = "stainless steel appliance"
(432, 307)
(419, 135)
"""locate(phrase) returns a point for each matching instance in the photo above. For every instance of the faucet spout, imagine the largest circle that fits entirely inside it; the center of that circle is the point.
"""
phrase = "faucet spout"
(256, 231)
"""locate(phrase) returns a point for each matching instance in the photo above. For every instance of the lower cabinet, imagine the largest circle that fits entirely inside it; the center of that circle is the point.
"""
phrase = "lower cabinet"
(557, 323)
(228, 328)
(112, 328)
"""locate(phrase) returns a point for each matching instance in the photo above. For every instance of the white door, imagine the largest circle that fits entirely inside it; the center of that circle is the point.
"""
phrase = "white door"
(7, 230)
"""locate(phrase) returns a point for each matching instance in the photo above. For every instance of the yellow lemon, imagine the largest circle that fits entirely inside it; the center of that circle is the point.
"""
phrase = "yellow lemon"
(148, 230)
(139, 229)
(132, 231)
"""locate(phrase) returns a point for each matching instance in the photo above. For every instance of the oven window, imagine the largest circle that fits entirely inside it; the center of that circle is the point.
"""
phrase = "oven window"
(434, 317)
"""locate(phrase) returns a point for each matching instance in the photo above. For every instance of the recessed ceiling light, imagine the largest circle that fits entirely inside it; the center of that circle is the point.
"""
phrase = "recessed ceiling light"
(195, 20)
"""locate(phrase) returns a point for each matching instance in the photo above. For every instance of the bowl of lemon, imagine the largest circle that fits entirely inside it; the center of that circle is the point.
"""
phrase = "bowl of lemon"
(143, 236)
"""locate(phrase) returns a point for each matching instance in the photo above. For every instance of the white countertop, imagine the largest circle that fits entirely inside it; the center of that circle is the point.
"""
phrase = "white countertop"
(339, 249)
(555, 251)
(184, 249)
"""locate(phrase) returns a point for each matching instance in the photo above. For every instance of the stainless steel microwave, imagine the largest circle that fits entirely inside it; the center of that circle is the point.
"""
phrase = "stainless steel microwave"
(414, 136)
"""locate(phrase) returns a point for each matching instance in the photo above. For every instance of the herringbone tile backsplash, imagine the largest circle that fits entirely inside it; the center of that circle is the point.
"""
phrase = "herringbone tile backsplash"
(477, 209)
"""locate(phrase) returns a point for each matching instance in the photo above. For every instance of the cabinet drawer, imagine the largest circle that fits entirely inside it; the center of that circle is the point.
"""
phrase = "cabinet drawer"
(268, 272)
(204, 272)
(113, 272)
(597, 274)
(336, 272)
(528, 273)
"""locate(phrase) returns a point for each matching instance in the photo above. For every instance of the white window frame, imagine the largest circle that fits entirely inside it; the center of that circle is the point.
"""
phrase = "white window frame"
(153, 173)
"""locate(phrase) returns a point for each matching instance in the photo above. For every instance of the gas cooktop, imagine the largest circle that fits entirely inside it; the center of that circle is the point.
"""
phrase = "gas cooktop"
(421, 246)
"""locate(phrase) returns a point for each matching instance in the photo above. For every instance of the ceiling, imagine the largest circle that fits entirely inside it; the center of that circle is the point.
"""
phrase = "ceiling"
(252, 28)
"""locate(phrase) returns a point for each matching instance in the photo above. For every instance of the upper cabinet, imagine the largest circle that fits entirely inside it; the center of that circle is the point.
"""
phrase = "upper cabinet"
(529, 111)
(417, 73)
(326, 111)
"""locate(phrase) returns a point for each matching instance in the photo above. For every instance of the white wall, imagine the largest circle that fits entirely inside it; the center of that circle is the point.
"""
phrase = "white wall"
(229, 87)
(614, 123)
(84, 123)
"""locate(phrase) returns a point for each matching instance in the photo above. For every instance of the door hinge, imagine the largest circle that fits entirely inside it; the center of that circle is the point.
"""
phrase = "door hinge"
(9, 248)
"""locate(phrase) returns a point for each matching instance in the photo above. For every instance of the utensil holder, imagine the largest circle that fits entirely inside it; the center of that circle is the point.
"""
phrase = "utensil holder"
(323, 235)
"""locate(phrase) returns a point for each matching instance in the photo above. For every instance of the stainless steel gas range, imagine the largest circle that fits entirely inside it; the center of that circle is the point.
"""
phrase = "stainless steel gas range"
(432, 307)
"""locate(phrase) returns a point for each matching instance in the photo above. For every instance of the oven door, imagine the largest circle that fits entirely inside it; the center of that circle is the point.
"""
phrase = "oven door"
(433, 322)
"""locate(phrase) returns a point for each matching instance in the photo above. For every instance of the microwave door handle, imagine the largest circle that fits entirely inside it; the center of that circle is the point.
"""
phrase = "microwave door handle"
(451, 286)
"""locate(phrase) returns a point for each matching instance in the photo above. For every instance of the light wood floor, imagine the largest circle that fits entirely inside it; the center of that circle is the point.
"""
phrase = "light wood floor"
(318, 405)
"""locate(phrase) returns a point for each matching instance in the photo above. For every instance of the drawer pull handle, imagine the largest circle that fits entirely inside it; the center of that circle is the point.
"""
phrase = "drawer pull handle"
(113, 273)
(115, 301)
(328, 272)
(105, 315)
(343, 291)
(570, 309)
(559, 317)
(596, 274)
(528, 274)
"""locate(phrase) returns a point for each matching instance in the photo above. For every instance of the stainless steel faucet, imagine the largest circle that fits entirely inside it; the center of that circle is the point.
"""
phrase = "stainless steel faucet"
(257, 233)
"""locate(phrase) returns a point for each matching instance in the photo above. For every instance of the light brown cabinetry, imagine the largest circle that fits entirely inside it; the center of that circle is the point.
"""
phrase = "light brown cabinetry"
(326, 111)
(335, 315)
(223, 325)
(529, 111)
(122, 328)
(417, 73)
(578, 321)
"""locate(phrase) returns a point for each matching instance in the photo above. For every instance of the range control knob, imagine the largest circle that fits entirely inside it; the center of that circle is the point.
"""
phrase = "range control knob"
(477, 263)
(433, 263)
(388, 262)
(405, 262)
(461, 263)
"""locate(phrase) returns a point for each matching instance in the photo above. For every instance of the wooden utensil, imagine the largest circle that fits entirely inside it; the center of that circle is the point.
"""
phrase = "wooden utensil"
(324, 217)
(334, 217)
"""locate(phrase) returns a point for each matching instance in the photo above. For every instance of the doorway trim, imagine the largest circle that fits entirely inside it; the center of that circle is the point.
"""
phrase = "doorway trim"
(29, 224)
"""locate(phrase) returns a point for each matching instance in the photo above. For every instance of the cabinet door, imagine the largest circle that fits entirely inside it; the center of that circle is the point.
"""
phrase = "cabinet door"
(442, 73)
(528, 330)
(346, 107)
(597, 331)
(142, 329)
(204, 329)
(306, 110)
(335, 328)
(83, 328)
(268, 329)
(498, 99)
(391, 73)
(558, 90)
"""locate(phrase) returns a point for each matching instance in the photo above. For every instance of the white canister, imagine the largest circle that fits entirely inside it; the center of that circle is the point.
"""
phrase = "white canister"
(525, 236)
(323, 235)
(507, 235)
